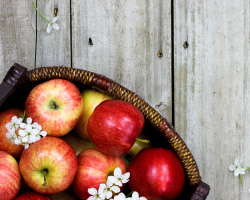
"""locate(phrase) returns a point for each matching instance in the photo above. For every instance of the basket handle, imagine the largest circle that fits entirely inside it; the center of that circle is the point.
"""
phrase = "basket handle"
(15, 78)
(200, 192)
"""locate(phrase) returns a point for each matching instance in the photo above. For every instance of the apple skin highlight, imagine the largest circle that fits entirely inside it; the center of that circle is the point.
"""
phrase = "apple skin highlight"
(6, 145)
(94, 168)
(157, 173)
(114, 126)
(52, 158)
(56, 105)
(10, 177)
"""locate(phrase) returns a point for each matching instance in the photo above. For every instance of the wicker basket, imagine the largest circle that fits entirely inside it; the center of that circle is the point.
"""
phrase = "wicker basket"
(18, 82)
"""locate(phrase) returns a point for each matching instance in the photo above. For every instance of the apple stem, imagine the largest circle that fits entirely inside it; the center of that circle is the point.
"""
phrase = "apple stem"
(44, 174)
(53, 105)
(144, 141)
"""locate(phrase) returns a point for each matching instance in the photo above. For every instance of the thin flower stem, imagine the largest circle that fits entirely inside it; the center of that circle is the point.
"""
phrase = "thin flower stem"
(130, 194)
(246, 168)
(241, 181)
(40, 13)
(24, 114)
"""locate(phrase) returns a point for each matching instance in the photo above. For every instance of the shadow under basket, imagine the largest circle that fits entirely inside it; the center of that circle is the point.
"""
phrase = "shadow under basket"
(18, 82)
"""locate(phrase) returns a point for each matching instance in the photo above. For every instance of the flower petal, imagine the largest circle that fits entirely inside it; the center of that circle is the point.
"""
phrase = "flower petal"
(23, 125)
(55, 26)
(55, 19)
(8, 135)
(22, 132)
(102, 187)
(135, 195)
(25, 139)
(43, 133)
(236, 162)
(115, 189)
(109, 183)
(101, 196)
(91, 198)
(49, 27)
(92, 191)
(17, 141)
(34, 131)
(241, 170)
(14, 119)
(26, 146)
(232, 167)
(117, 172)
(29, 120)
(20, 120)
(236, 172)
(9, 125)
(108, 195)
(112, 179)
(143, 198)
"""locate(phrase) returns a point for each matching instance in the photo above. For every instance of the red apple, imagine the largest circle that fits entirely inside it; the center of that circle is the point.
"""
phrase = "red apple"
(90, 98)
(32, 196)
(94, 168)
(10, 178)
(114, 126)
(5, 144)
(157, 173)
(49, 165)
(79, 144)
(56, 105)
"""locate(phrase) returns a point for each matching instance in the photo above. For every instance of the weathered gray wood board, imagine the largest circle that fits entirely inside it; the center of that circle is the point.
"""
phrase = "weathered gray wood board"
(211, 76)
(212, 110)
(53, 49)
(126, 36)
(17, 34)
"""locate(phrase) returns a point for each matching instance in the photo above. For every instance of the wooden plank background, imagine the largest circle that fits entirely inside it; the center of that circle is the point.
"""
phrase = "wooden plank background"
(201, 84)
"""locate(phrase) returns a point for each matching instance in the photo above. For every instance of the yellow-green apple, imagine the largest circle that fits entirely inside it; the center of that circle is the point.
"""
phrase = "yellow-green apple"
(94, 167)
(49, 165)
(157, 173)
(141, 142)
(79, 144)
(114, 126)
(32, 196)
(56, 105)
(90, 98)
(10, 178)
(5, 143)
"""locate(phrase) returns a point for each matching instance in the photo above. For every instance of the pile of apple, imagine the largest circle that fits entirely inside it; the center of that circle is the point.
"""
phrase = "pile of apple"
(107, 129)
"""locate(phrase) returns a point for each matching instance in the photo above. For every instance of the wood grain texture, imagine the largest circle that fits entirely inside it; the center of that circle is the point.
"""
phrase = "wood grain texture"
(17, 35)
(53, 49)
(212, 109)
(126, 37)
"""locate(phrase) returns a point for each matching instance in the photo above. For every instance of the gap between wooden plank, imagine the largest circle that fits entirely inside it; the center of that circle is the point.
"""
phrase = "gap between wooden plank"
(172, 62)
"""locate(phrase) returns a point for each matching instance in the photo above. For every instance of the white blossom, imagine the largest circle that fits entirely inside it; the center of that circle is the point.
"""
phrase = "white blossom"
(53, 25)
(15, 123)
(27, 132)
(120, 196)
(135, 196)
(109, 189)
(236, 168)
(119, 178)
(96, 195)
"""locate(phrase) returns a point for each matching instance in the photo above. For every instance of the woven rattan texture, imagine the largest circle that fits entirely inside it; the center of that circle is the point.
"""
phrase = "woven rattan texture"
(120, 92)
